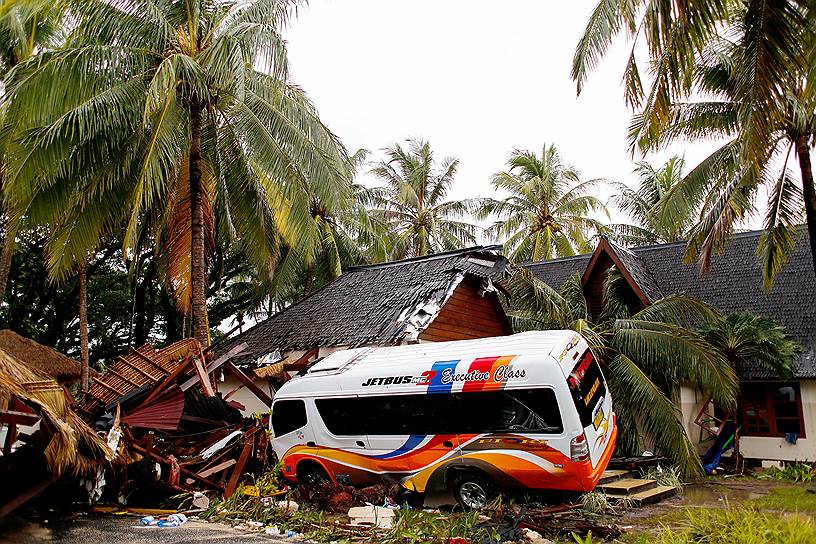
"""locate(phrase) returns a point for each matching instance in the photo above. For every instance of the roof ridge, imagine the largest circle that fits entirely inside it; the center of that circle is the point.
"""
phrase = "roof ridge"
(424, 258)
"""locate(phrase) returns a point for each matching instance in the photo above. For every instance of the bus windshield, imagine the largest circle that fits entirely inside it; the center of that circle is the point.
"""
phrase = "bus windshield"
(587, 386)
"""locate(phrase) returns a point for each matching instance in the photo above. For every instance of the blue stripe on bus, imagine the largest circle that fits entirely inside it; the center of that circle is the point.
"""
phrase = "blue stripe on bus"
(436, 385)
(413, 441)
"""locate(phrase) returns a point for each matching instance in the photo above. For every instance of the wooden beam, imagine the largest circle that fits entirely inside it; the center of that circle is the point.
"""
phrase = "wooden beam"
(106, 386)
(215, 365)
(239, 467)
(11, 438)
(262, 395)
(301, 362)
(13, 417)
(206, 386)
(217, 468)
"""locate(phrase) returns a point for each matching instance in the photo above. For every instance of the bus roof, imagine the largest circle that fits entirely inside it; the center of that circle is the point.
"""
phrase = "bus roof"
(352, 366)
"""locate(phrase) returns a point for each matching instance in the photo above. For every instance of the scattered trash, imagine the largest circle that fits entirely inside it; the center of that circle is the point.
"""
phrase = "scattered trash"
(173, 520)
(372, 515)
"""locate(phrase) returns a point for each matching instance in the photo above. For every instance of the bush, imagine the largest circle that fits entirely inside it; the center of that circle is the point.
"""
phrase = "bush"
(793, 472)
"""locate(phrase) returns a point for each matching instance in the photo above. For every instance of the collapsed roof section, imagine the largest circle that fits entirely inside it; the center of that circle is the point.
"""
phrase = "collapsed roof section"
(382, 304)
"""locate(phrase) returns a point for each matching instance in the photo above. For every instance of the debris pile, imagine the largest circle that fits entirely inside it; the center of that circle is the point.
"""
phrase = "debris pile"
(45, 439)
(170, 427)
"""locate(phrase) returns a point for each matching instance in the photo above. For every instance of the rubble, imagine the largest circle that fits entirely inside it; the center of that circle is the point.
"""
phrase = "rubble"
(177, 431)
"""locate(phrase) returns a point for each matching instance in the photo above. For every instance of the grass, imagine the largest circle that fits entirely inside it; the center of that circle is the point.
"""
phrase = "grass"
(786, 499)
(739, 525)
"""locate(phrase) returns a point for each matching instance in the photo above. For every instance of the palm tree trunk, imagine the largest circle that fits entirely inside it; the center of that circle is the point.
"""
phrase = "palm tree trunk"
(307, 285)
(5, 261)
(808, 192)
(198, 265)
(83, 327)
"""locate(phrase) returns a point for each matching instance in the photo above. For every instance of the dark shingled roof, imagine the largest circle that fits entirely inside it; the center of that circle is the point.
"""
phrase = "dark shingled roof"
(367, 305)
(734, 284)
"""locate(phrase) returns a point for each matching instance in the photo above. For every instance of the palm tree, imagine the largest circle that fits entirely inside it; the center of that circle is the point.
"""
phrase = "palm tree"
(26, 28)
(770, 49)
(747, 340)
(648, 353)
(656, 220)
(412, 202)
(722, 185)
(176, 119)
(547, 213)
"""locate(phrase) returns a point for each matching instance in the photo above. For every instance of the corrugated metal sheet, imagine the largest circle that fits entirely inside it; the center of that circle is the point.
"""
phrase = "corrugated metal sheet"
(164, 413)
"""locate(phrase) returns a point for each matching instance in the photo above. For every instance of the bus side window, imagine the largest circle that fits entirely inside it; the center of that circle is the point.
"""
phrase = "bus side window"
(534, 410)
(288, 416)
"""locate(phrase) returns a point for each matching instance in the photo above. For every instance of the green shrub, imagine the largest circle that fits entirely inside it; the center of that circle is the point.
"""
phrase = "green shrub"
(663, 476)
(793, 472)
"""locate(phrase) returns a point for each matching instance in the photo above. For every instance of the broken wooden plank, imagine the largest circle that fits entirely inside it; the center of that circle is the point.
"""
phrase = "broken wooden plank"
(14, 417)
(262, 395)
(217, 468)
(239, 467)
(215, 365)
(206, 386)
(302, 361)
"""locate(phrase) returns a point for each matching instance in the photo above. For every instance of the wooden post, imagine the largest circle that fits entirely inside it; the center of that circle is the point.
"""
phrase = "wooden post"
(11, 438)
(239, 468)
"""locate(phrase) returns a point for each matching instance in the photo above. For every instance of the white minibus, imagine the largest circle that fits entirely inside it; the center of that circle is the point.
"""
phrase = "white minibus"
(531, 410)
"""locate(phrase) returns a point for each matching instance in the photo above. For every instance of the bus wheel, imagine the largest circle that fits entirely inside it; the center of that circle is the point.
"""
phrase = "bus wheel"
(473, 491)
(309, 472)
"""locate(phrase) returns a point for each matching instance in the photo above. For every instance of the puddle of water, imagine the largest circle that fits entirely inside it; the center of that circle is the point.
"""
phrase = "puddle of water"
(696, 494)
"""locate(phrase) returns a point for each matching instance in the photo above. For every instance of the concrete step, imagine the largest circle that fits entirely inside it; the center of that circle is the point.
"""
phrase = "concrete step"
(613, 475)
(627, 486)
(653, 495)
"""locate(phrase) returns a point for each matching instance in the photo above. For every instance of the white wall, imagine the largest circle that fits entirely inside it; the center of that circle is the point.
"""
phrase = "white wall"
(755, 447)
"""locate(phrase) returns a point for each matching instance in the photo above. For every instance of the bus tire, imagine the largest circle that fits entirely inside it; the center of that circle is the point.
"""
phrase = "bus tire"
(473, 490)
(310, 472)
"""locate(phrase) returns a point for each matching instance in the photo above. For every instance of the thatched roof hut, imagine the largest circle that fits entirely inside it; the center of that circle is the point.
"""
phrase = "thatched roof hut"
(39, 357)
(69, 445)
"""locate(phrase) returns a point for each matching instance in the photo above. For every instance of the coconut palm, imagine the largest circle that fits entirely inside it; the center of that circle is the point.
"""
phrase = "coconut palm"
(748, 340)
(767, 52)
(656, 221)
(412, 202)
(722, 185)
(26, 28)
(548, 211)
(176, 119)
(647, 353)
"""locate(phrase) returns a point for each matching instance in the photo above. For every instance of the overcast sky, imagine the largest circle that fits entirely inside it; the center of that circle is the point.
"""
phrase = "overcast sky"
(476, 78)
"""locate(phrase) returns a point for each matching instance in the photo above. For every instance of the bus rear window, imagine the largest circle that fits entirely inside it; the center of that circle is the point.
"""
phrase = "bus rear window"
(587, 386)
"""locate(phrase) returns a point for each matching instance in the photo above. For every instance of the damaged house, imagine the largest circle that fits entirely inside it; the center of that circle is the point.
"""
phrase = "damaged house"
(446, 296)
(778, 419)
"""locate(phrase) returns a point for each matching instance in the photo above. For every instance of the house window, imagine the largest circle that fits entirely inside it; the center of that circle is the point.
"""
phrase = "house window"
(772, 409)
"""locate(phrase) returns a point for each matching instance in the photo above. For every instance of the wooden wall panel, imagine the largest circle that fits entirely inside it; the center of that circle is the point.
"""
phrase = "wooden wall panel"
(466, 315)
